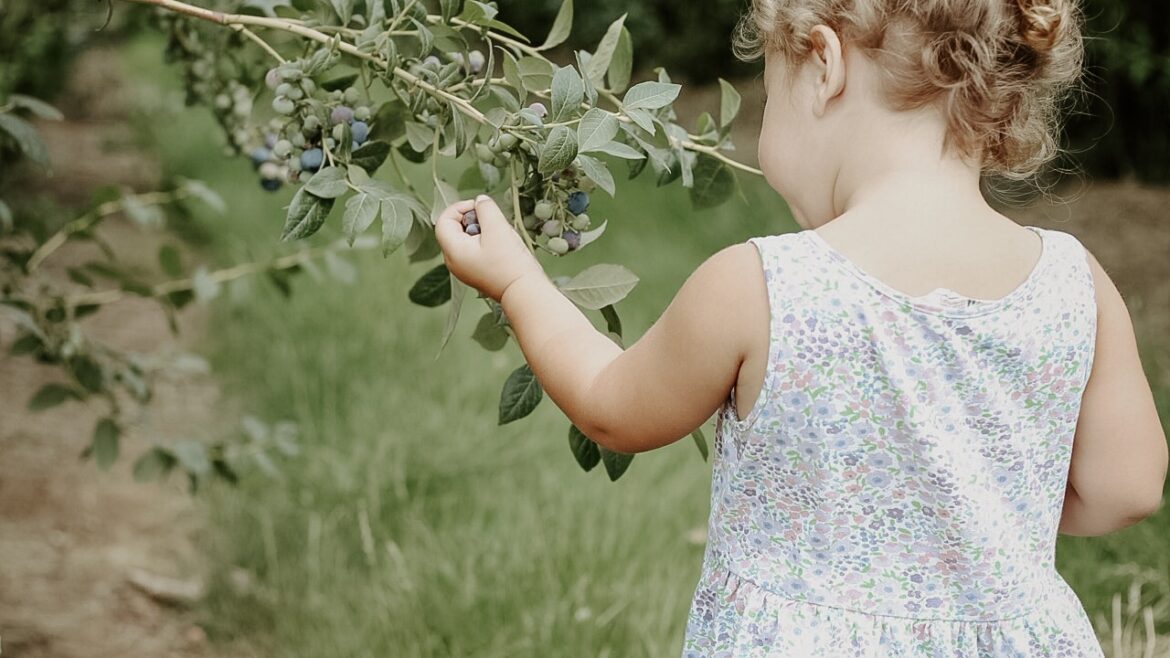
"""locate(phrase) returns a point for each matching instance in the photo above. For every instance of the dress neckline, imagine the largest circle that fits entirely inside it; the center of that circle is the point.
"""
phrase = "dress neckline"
(941, 301)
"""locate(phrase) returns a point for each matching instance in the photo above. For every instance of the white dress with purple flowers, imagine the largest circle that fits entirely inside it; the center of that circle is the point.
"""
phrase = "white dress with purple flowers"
(897, 486)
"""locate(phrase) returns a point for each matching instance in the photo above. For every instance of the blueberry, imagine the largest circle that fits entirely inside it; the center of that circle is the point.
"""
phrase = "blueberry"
(361, 113)
(272, 78)
(283, 88)
(308, 86)
(269, 140)
(558, 245)
(339, 131)
(473, 229)
(269, 170)
(540, 109)
(531, 222)
(551, 227)
(360, 130)
(504, 143)
(259, 156)
(578, 202)
(270, 184)
(543, 210)
(282, 148)
(341, 114)
(484, 153)
(470, 217)
(311, 159)
(459, 59)
(312, 123)
(353, 146)
(282, 105)
(573, 238)
(432, 62)
(476, 59)
(581, 222)
(351, 96)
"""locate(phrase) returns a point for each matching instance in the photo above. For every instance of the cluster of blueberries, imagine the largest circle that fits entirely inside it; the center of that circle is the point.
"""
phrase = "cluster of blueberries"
(559, 237)
(268, 159)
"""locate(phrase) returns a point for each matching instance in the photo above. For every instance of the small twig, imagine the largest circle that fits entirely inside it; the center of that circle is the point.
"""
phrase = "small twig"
(260, 42)
(517, 217)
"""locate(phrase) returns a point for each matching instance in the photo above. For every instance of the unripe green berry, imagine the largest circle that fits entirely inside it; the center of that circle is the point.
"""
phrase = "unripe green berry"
(282, 105)
(551, 227)
(352, 96)
(361, 113)
(297, 139)
(308, 85)
(312, 122)
(558, 246)
(339, 132)
(484, 153)
(543, 210)
(282, 148)
(531, 222)
(283, 88)
(290, 74)
(507, 142)
(581, 222)
(296, 93)
(223, 101)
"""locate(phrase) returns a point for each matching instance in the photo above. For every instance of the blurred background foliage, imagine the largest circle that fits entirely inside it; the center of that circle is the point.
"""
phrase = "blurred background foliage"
(1118, 128)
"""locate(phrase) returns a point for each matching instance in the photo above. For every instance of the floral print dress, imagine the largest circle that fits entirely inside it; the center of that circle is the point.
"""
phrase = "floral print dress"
(896, 489)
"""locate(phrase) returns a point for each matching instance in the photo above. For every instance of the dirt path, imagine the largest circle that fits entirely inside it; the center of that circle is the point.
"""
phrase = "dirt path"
(70, 534)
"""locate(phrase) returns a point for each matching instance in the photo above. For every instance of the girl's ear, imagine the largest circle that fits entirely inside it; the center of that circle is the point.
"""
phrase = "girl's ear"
(829, 66)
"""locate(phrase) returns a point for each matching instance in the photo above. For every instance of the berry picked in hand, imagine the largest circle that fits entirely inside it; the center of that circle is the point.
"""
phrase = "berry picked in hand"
(482, 248)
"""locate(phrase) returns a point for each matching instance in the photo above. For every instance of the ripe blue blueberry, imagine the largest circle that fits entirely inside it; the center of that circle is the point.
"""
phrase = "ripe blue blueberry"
(469, 218)
(360, 130)
(573, 238)
(578, 202)
(270, 184)
(259, 156)
(472, 229)
(341, 114)
(311, 159)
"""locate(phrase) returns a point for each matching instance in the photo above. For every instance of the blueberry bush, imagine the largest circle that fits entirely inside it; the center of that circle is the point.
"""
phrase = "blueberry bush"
(335, 97)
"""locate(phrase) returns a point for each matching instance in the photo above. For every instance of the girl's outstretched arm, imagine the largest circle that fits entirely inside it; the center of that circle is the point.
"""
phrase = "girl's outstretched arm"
(653, 393)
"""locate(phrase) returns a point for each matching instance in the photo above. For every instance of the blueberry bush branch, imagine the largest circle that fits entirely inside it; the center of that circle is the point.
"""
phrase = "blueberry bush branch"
(357, 82)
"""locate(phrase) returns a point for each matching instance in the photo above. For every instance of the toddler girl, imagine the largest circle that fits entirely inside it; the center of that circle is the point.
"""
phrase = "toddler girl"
(914, 394)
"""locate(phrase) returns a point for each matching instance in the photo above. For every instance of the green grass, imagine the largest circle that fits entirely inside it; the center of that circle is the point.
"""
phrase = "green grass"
(411, 525)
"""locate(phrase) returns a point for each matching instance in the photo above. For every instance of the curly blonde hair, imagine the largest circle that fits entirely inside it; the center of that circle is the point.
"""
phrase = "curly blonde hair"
(997, 69)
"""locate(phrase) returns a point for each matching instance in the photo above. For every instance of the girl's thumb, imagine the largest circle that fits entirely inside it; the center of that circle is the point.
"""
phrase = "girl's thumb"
(488, 212)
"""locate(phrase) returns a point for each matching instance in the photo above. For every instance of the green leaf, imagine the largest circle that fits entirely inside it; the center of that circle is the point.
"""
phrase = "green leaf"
(192, 456)
(370, 156)
(267, 7)
(306, 215)
(567, 93)
(168, 259)
(558, 151)
(512, 75)
(396, 225)
(104, 447)
(88, 373)
(458, 293)
(641, 118)
(622, 64)
(714, 183)
(521, 393)
(620, 150)
(584, 449)
(38, 107)
(599, 286)
(489, 334)
(51, 395)
(592, 234)
(590, 88)
(329, 183)
(729, 101)
(360, 211)
(597, 172)
(201, 191)
(26, 137)
(343, 9)
(536, 73)
(433, 288)
(650, 95)
(616, 463)
(613, 323)
(562, 25)
(597, 128)
(700, 442)
(448, 8)
(420, 136)
(599, 63)
(477, 12)
(156, 463)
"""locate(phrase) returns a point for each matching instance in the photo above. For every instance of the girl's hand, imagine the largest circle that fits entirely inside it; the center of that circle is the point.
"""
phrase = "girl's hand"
(490, 261)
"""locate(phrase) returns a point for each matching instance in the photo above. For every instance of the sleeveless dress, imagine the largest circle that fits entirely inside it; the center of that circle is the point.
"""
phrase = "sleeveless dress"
(896, 489)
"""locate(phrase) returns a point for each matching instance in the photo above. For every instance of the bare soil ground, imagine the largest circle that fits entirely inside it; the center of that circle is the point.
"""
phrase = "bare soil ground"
(70, 535)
